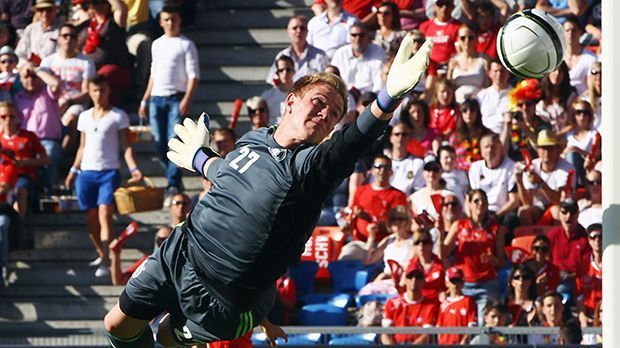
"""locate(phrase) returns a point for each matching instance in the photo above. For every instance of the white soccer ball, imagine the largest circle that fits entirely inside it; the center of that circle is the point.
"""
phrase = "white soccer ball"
(531, 43)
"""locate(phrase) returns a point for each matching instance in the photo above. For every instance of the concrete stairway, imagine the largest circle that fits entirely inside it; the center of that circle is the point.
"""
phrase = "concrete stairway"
(54, 299)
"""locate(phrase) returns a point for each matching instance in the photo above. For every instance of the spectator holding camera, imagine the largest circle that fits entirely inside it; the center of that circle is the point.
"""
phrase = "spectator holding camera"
(104, 134)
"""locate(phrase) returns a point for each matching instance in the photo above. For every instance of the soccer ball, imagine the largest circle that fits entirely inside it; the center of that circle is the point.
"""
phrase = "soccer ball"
(531, 44)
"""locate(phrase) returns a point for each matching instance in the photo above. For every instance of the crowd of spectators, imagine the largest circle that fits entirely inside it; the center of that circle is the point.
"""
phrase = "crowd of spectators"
(66, 67)
(476, 162)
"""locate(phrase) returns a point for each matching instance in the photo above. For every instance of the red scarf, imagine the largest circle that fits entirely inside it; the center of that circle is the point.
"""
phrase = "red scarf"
(93, 40)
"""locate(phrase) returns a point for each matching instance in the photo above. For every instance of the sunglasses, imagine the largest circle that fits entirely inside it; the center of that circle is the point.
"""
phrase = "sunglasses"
(285, 69)
(253, 111)
(520, 277)
(595, 235)
(4, 117)
(541, 248)
(568, 211)
(595, 72)
(357, 34)
(466, 37)
(594, 182)
(177, 203)
(582, 112)
(423, 242)
(381, 166)
(8, 61)
(68, 36)
(443, 3)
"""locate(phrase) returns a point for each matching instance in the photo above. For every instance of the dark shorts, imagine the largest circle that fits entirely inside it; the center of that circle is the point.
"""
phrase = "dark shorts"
(167, 281)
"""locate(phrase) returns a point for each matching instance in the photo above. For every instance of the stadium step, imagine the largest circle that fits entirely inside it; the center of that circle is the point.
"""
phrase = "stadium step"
(234, 18)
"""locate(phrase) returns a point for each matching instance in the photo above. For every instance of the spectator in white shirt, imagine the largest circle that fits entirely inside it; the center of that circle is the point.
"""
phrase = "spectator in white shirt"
(307, 58)
(285, 68)
(39, 38)
(494, 174)
(494, 100)
(406, 169)
(171, 87)
(360, 62)
(329, 30)
(456, 179)
(74, 70)
(579, 61)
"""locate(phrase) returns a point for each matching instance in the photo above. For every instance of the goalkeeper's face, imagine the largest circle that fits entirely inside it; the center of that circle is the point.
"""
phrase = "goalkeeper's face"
(315, 113)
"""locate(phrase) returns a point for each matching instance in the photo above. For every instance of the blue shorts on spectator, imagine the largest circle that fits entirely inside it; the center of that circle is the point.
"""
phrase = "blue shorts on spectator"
(94, 188)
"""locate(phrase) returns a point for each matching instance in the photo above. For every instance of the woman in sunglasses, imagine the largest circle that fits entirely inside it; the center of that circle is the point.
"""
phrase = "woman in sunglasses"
(580, 142)
(521, 295)
(467, 69)
(591, 206)
(547, 274)
(477, 243)
(593, 94)
(389, 35)
(429, 262)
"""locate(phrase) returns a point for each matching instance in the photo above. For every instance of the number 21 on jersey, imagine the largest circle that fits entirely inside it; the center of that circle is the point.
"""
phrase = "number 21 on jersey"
(245, 160)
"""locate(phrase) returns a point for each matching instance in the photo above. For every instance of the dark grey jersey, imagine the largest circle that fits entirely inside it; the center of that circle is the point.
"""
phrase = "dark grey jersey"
(265, 203)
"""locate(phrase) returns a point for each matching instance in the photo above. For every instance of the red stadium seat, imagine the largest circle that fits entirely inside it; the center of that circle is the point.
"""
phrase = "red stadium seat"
(524, 242)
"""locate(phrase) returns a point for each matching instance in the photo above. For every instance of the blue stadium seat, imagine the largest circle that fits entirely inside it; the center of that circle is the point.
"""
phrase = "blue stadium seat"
(338, 300)
(354, 340)
(260, 339)
(349, 275)
(303, 273)
(322, 314)
(361, 300)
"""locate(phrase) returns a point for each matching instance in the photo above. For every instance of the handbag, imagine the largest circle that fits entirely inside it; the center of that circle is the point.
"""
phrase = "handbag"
(136, 198)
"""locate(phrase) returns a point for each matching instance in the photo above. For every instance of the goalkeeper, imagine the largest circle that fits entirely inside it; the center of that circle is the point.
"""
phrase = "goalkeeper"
(215, 274)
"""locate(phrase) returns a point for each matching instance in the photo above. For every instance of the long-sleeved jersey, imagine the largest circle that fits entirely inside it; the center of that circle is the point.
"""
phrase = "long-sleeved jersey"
(265, 203)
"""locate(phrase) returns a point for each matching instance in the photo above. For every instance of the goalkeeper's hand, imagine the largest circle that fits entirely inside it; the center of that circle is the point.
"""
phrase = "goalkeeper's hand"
(404, 73)
(192, 149)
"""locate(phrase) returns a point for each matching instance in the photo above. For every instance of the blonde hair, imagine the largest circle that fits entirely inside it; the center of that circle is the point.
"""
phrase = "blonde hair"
(592, 93)
(305, 83)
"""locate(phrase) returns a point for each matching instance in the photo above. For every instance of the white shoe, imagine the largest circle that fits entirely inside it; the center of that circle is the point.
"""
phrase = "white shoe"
(95, 262)
(102, 271)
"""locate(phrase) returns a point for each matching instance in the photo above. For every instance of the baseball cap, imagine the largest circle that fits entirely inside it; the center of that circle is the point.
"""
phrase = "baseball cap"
(255, 102)
(413, 269)
(569, 204)
(595, 229)
(431, 164)
(546, 137)
(7, 50)
(454, 273)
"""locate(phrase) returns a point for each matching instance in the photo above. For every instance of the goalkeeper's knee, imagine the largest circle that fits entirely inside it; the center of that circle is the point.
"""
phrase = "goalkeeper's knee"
(142, 340)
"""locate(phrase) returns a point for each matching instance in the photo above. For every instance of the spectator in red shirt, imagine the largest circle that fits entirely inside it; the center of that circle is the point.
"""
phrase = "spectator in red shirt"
(416, 115)
(457, 309)
(410, 309)
(443, 30)
(443, 108)
(590, 277)
(372, 203)
(478, 245)
(569, 245)
(547, 274)
(429, 263)
(25, 151)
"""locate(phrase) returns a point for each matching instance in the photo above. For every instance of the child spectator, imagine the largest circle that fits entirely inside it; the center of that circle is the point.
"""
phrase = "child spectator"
(171, 87)
(22, 149)
(104, 134)
(443, 108)
(495, 314)
(410, 309)
(456, 179)
(552, 309)
(74, 70)
(457, 309)
(40, 114)
(9, 79)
